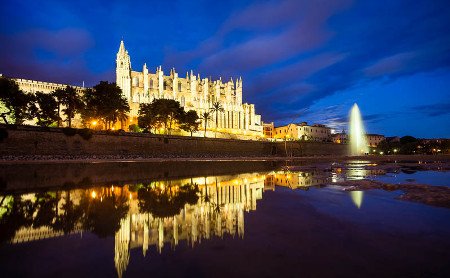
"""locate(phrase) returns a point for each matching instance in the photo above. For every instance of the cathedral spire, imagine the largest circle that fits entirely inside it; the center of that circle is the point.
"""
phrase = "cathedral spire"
(122, 47)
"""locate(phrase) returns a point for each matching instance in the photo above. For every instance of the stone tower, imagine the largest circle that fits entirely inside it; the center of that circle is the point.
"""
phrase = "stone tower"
(123, 71)
(239, 91)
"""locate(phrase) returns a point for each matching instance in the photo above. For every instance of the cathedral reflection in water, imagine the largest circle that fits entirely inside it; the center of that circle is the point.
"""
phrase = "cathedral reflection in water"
(150, 215)
(222, 214)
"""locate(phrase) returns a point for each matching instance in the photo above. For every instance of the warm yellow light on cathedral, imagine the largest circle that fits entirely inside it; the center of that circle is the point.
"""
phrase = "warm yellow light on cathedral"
(192, 92)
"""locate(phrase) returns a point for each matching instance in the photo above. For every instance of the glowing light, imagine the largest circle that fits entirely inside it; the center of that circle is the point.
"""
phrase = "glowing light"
(357, 198)
(130, 196)
(358, 144)
(94, 123)
(93, 194)
(381, 152)
(395, 150)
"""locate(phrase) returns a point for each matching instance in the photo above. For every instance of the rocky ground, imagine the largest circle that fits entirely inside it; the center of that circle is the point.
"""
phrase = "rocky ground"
(380, 165)
(422, 193)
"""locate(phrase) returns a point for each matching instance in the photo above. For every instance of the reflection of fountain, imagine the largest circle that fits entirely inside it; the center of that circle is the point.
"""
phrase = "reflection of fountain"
(357, 197)
(358, 144)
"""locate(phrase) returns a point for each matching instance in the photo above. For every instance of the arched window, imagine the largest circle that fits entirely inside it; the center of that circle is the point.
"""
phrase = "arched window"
(179, 86)
(135, 81)
(183, 101)
(151, 83)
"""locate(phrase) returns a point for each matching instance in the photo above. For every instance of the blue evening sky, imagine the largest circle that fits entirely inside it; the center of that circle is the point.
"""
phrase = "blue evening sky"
(299, 60)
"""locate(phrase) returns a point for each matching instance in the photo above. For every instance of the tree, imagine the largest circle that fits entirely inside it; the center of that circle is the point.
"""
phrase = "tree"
(160, 112)
(190, 121)
(168, 112)
(206, 116)
(58, 94)
(147, 118)
(16, 105)
(216, 108)
(46, 110)
(122, 116)
(106, 103)
(72, 102)
(407, 139)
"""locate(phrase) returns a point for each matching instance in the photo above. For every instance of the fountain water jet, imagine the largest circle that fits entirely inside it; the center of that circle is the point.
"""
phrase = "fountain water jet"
(358, 143)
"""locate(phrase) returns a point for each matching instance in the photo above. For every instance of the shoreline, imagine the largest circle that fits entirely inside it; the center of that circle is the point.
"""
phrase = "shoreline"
(115, 159)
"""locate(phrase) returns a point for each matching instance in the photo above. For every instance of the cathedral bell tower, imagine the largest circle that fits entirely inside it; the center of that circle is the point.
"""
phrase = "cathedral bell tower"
(123, 71)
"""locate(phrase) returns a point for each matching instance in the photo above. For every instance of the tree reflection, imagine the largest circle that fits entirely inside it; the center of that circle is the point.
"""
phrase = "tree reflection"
(98, 210)
(45, 209)
(166, 200)
(15, 214)
(71, 215)
(104, 212)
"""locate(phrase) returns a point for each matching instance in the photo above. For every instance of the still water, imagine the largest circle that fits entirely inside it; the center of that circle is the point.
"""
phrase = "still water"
(222, 220)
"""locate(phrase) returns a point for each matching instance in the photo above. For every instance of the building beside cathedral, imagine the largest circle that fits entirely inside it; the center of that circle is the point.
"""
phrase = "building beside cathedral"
(192, 92)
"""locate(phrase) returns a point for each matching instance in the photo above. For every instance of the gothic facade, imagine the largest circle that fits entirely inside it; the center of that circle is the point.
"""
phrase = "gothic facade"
(192, 92)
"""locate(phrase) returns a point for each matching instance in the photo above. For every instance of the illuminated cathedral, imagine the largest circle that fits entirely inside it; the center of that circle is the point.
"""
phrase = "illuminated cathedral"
(192, 92)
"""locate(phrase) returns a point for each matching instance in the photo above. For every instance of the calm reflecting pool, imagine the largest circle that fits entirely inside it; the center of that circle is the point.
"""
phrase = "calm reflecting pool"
(262, 220)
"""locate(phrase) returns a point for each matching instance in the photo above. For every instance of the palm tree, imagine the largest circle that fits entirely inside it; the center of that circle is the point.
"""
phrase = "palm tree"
(205, 116)
(122, 116)
(216, 108)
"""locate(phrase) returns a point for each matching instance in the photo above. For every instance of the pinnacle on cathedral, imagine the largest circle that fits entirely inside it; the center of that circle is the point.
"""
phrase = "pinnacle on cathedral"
(122, 47)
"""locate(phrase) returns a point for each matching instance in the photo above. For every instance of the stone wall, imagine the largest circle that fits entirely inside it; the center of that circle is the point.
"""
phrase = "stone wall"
(27, 140)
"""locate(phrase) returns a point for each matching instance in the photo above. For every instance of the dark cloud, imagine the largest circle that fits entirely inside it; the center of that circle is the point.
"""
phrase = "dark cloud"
(433, 110)
(55, 56)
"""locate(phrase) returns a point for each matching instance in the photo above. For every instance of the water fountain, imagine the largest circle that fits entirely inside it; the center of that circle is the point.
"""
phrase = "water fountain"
(358, 144)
